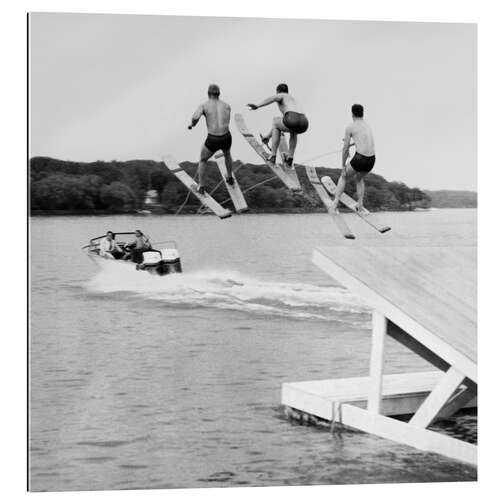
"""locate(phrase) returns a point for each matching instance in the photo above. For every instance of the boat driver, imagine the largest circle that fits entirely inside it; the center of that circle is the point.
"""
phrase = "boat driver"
(140, 245)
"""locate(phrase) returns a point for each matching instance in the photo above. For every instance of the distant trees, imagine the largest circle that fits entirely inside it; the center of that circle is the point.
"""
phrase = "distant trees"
(117, 196)
(66, 192)
(453, 199)
(116, 187)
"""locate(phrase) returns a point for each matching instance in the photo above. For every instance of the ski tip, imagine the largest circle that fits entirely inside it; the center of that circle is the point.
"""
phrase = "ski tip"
(349, 236)
(384, 229)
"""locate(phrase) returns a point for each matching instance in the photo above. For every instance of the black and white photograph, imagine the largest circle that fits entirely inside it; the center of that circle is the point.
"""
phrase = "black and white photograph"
(252, 252)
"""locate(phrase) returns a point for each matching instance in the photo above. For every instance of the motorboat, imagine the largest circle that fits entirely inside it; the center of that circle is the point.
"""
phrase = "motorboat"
(162, 258)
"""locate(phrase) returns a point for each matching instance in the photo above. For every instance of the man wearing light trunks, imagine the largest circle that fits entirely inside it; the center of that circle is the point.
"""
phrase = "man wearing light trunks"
(364, 159)
(293, 121)
(217, 116)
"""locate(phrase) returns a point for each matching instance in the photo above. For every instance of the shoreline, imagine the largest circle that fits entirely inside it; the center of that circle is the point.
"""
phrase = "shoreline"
(46, 213)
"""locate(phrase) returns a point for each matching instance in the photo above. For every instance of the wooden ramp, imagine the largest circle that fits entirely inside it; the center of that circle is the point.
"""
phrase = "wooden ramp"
(425, 298)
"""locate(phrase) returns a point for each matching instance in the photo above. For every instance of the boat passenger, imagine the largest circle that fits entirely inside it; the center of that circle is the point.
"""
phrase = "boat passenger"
(139, 246)
(108, 247)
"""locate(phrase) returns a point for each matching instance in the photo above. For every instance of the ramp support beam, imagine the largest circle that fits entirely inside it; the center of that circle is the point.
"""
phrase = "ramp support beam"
(438, 398)
(379, 329)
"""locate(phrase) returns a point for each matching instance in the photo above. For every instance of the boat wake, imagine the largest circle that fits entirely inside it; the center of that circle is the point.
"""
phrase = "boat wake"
(232, 290)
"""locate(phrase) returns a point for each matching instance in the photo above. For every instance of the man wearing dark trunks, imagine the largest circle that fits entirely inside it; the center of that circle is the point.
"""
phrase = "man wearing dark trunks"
(217, 116)
(363, 160)
(293, 121)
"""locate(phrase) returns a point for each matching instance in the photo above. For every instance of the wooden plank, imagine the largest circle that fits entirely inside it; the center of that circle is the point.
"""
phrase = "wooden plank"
(234, 191)
(290, 182)
(421, 288)
(328, 203)
(377, 269)
(189, 182)
(429, 273)
(408, 434)
(459, 265)
(436, 309)
(444, 262)
(389, 302)
(402, 393)
(438, 398)
(379, 327)
(464, 394)
(368, 217)
(351, 388)
(398, 334)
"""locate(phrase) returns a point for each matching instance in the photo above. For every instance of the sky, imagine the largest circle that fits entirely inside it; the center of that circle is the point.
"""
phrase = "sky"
(118, 87)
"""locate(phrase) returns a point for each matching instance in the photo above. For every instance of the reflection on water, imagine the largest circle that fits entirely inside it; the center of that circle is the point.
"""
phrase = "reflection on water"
(146, 382)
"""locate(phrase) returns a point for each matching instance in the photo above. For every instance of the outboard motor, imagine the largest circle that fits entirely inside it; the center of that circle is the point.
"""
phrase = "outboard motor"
(151, 260)
(165, 261)
(171, 261)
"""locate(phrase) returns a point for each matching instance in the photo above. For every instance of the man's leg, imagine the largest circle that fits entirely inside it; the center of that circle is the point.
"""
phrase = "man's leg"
(360, 190)
(346, 172)
(278, 127)
(229, 165)
(202, 165)
(292, 145)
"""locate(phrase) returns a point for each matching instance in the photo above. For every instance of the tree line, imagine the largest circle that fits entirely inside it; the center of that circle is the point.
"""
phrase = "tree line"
(60, 186)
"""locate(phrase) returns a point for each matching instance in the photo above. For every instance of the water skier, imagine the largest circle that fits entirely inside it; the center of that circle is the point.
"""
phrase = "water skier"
(364, 159)
(217, 116)
(292, 121)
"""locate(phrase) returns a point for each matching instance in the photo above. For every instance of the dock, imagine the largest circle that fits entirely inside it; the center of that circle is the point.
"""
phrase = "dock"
(424, 297)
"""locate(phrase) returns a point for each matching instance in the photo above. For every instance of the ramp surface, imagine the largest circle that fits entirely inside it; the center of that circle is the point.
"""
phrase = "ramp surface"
(430, 292)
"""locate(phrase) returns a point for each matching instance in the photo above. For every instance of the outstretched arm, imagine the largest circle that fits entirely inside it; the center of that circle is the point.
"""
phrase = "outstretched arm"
(265, 102)
(196, 117)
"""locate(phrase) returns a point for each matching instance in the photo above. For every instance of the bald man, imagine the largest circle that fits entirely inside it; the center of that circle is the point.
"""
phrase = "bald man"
(217, 115)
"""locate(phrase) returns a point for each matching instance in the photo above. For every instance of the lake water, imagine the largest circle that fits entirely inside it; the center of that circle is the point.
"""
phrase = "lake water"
(139, 381)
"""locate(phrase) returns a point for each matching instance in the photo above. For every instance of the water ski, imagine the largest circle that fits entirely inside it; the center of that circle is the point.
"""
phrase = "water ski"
(327, 201)
(284, 152)
(190, 183)
(234, 190)
(367, 216)
(289, 179)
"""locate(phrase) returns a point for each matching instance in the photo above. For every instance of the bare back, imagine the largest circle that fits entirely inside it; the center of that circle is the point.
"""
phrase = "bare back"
(217, 115)
(362, 136)
(287, 103)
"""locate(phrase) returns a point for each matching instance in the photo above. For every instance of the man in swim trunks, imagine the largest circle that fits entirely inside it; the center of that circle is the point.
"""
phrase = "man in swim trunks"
(364, 159)
(293, 121)
(217, 116)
